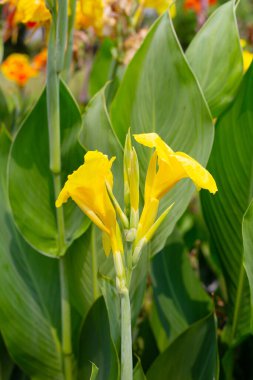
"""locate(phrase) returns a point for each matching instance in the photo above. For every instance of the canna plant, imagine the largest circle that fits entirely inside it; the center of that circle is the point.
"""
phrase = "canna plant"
(90, 187)
(78, 298)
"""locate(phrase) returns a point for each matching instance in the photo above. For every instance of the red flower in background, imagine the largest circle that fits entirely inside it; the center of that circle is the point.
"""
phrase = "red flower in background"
(198, 5)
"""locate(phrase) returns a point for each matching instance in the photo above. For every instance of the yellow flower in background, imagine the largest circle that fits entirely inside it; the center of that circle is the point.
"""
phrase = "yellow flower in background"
(90, 13)
(32, 11)
(247, 55)
(160, 6)
(172, 167)
(87, 187)
(17, 68)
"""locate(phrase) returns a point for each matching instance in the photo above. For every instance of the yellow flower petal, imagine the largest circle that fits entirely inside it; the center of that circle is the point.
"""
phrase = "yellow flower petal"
(160, 5)
(153, 140)
(87, 187)
(199, 175)
(32, 11)
(147, 219)
(173, 166)
(247, 59)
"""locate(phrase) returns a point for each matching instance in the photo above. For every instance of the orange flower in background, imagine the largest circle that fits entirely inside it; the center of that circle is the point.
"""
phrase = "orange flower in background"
(196, 5)
(18, 69)
(40, 60)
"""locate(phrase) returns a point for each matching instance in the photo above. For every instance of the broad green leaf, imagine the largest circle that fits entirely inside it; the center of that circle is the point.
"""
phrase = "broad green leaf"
(29, 300)
(31, 189)
(96, 345)
(6, 363)
(191, 356)
(159, 93)
(179, 296)
(216, 57)
(84, 260)
(231, 164)
(247, 233)
(112, 301)
(97, 133)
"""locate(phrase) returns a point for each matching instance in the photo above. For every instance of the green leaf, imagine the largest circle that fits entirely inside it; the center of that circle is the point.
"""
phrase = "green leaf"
(97, 133)
(159, 93)
(101, 68)
(6, 364)
(247, 233)
(216, 57)
(29, 304)
(231, 164)
(85, 258)
(191, 356)
(179, 296)
(138, 372)
(31, 189)
(96, 345)
(94, 372)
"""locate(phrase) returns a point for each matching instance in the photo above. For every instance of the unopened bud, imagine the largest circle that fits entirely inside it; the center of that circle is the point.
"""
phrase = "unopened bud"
(127, 171)
(130, 235)
(117, 207)
(137, 251)
(134, 190)
(157, 223)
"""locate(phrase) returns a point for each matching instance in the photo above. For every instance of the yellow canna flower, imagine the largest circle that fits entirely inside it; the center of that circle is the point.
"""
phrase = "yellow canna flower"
(87, 187)
(17, 68)
(247, 55)
(247, 59)
(172, 167)
(90, 13)
(32, 11)
(160, 6)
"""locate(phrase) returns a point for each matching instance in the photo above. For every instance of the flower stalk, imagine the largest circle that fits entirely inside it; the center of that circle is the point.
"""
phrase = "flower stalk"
(69, 49)
(56, 50)
(126, 337)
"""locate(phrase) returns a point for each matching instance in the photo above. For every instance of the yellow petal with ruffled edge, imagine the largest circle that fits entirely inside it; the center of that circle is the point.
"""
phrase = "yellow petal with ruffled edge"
(174, 166)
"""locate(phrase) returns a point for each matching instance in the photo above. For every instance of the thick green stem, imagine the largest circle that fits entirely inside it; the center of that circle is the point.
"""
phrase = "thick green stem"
(126, 337)
(61, 34)
(69, 51)
(53, 106)
(53, 113)
(66, 320)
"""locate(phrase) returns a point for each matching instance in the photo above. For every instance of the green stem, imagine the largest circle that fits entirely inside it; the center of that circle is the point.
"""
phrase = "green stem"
(61, 34)
(66, 320)
(126, 337)
(53, 113)
(53, 105)
(69, 51)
